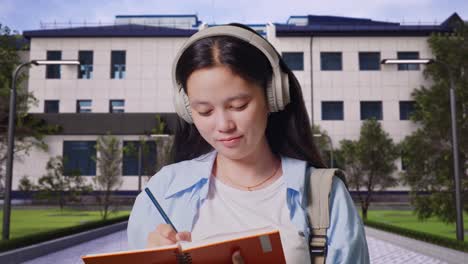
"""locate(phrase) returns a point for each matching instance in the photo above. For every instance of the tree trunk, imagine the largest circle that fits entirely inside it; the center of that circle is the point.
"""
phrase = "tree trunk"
(364, 208)
(106, 204)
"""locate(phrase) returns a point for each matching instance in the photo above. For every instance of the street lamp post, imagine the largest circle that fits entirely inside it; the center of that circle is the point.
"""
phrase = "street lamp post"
(11, 140)
(453, 115)
(140, 157)
(456, 166)
(331, 146)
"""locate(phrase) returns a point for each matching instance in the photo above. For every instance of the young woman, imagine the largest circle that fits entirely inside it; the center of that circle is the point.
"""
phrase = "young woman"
(241, 154)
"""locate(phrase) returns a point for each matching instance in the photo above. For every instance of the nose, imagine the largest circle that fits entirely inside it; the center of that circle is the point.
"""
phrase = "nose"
(224, 122)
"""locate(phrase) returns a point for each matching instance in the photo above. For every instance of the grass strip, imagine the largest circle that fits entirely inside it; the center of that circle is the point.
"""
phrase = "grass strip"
(430, 238)
(28, 240)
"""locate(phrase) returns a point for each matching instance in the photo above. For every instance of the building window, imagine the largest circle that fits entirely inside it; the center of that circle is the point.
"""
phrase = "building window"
(371, 109)
(369, 61)
(79, 157)
(330, 61)
(332, 110)
(116, 106)
(130, 158)
(406, 109)
(83, 106)
(51, 106)
(85, 71)
(408, 55)
(118, 64)
(294, 60)
(53, 71)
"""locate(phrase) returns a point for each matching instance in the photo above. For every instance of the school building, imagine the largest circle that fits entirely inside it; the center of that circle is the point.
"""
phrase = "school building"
(124, 80)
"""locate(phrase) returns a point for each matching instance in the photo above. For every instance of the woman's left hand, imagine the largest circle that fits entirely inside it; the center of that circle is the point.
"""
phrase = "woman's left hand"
(237, 258)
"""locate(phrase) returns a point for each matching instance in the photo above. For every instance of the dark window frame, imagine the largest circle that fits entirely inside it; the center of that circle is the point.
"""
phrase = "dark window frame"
(53, 71)
(111, 106)
(365, 56)
(130, 158)
(78, 106)
(327, 63)
(406, 109)
(294, 60)
(48, 108)
(366, 115)
(408, 66)
(83, 162)
(327, 110)
(85, 70)
(118, 64)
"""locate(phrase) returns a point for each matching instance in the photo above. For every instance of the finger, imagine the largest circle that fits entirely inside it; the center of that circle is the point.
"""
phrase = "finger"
(165, 241)
(184, 236)
(167, 232)
(237, 258)
(158, 240)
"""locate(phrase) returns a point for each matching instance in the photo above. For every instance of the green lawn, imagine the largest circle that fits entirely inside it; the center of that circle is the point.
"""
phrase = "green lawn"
(408, 220)
(31, 221)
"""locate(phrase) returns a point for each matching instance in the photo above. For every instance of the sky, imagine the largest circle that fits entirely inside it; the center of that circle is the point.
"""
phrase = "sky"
(23, 15)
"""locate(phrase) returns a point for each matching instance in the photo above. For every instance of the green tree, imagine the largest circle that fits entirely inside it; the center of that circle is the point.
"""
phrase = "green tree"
(321, 140)
(56, 185)
(109, 178)
(348, 160)
(29, 131)
(369, 162)
(147, 161)
(163, 144)
(427, 152)
(26, 185)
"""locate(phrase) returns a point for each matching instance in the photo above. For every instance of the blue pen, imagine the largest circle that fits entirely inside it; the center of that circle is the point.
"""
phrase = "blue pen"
(161, 211)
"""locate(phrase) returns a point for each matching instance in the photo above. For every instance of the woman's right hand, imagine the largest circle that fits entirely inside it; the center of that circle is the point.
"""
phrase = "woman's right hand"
(165, 235)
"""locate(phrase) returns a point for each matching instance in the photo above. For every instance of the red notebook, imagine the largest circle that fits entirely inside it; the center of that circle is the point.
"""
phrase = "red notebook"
(261, 245)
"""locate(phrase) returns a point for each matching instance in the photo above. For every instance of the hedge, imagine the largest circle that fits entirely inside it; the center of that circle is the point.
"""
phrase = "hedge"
(28, 240)
(434, 239)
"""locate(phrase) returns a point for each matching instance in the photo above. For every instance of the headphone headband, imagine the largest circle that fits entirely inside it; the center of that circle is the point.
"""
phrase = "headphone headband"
(278, 93)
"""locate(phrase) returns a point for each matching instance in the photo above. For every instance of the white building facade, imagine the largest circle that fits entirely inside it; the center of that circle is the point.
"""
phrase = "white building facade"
(125, 80)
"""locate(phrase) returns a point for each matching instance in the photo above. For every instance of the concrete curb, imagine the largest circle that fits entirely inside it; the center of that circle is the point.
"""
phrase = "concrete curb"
(47, 247)
(447, 255)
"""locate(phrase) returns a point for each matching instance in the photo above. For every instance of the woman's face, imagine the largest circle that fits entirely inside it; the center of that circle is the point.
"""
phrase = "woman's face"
(225, 106)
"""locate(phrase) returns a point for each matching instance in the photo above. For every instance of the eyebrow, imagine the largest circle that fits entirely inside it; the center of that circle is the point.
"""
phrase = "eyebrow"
(240, 96)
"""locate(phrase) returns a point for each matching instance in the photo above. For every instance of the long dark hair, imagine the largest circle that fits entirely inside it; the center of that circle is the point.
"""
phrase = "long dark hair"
(288, 131)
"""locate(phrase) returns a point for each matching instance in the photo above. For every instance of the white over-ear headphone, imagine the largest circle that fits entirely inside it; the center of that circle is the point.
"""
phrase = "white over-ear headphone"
(277, 90)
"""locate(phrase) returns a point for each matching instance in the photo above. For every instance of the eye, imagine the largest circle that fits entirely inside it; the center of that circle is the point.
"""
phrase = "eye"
(205, 113)
(241, 107)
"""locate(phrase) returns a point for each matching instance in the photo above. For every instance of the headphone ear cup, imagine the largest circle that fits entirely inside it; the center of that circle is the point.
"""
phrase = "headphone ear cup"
(282, 98)
(285, 89)
(270, 97)
(182, 105)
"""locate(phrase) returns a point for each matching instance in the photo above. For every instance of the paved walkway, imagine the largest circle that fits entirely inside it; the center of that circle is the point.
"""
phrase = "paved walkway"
(384, 248)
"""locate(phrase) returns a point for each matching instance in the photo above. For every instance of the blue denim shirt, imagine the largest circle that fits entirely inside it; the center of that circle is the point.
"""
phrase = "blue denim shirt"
(181, 188)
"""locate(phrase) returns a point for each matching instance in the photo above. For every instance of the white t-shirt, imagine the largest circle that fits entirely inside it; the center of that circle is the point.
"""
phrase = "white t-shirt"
(228, 210)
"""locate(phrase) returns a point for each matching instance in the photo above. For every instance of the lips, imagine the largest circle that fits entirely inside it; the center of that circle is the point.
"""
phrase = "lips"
(231, 138)
(231, 142)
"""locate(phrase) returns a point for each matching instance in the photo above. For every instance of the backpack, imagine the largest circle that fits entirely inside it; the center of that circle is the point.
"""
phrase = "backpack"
(318, 187)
